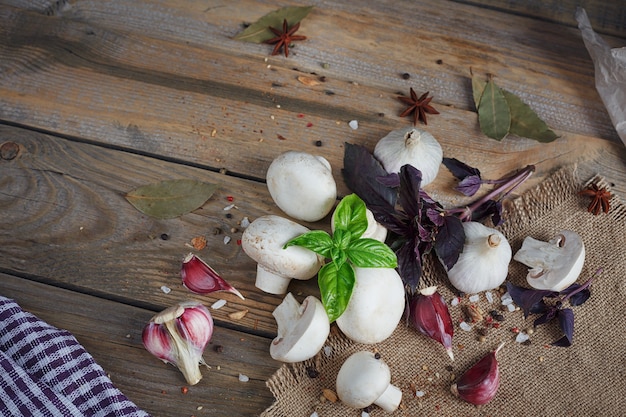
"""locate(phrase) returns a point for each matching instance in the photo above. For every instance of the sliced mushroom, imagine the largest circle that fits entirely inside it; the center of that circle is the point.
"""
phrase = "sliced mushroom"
(364, 379)
(263, 241)
(554, 265)
(302, 329)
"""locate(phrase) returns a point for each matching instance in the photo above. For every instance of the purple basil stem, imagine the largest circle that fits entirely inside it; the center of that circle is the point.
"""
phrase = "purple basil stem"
(430, 316)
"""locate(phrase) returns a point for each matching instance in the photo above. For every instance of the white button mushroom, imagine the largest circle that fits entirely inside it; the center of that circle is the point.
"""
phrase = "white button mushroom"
(410, 146)
(364, 379)
(375, 307)
(554, 265)
(302, 185)
(374, 229)
(302, 329)
(263, 241)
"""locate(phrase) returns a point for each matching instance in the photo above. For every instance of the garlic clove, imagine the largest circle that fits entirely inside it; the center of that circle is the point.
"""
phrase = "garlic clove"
(484, 263)
(411, 146)
(429, 314)
(200, 278)
(555, 264)
(479, 384)
(179, 335)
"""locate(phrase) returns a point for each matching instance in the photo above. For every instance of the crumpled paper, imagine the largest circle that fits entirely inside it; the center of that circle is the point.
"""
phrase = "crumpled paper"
(610, 72)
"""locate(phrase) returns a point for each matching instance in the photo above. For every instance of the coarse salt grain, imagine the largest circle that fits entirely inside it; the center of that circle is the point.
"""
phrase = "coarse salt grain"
(419, 393)
(245, 222)
(506, 299)
(489, 296)
(314, 414)
(510, 307)
(218, 304)
(243, 378)
(229, 207)
(365, 414)
(226, 240)
(521, 337)
(328, 351)
(354, 124)
(465, 326)
(455, 301)
(166, 290)
(474, 298)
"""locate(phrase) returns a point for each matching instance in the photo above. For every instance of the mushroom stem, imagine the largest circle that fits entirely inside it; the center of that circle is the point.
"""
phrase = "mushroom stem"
(390, 399)
(271, 282)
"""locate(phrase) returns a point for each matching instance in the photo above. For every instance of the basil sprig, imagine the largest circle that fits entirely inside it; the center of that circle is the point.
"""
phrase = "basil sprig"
(345, 249)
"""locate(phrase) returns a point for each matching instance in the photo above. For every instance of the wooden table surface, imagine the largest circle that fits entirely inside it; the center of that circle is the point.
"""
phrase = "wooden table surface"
(104, 96)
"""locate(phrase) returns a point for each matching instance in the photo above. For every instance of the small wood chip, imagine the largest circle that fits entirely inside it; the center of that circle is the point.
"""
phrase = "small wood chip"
(238, 315)
(309, 82)
(329, 395)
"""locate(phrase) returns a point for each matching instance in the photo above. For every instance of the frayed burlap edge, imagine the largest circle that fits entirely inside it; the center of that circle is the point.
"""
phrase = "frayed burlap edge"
(586, 379)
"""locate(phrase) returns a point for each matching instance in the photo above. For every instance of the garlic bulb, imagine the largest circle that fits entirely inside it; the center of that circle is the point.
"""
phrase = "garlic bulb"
(484, 262)
(410, 146)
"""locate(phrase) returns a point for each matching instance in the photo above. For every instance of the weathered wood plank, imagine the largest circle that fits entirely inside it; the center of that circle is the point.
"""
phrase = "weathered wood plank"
(65, 221)
(111, 333)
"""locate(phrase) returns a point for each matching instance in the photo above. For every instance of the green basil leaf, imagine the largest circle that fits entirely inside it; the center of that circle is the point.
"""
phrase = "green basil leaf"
(525, 122)
(259, 31)
(316, 240)
(350, 215)
(478, 86)
(170, 198)
(342, 238)
(339, 257)
(494, 115)
(370, 253)
(336, 287)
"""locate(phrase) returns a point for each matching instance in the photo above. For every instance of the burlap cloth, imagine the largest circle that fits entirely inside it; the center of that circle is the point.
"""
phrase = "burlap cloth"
(586, 379)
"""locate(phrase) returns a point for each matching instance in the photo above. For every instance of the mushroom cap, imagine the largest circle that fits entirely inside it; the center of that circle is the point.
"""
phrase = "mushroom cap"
(302, 185)
(263, 241)
(302, 329)
(375, 307)
(554, 265)
(362, 379)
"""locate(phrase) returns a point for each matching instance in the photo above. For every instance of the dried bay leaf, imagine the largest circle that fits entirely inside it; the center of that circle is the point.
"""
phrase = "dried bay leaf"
(170, 198)
(525, 122)
(494, 115)
(259, 32)
(478, 86)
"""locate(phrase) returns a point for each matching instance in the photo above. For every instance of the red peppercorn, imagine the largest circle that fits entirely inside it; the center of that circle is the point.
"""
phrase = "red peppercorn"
(230, 198)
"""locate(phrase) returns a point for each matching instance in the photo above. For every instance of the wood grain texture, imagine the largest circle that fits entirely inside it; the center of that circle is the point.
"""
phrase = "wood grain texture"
(111, 333)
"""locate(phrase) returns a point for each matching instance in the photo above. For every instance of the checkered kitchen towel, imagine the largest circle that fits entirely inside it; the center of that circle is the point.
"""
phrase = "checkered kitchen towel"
(45, 372)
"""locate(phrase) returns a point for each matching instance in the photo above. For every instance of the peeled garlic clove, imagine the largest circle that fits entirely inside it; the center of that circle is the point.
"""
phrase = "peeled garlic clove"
(484, 262)
(411, 146)
(179, 335)
(479, 384)
(200, 278)
(430, 316)
(555, 264)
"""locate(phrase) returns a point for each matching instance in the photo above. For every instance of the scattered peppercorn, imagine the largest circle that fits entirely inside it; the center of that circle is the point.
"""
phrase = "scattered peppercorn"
(312, 372)
(218, 348)
(406, 76)
(165, 236)
(318, 143)
(329, 92)
(184, 390)
(229, 216)
(381, 114)
(376, 355)
(322, 79)
(439, 61)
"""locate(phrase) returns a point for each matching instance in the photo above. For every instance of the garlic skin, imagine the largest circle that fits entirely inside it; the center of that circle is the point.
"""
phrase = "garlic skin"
(200, 278)
(484, 263)
(429, 314)
(179, 335)
(411, 146)
(479, 384)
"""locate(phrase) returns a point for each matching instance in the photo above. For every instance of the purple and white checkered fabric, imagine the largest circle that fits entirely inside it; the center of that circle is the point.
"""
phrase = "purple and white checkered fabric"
(45, 372)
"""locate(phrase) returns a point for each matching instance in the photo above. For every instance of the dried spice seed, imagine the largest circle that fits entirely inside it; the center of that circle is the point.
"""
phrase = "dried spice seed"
(329, 395)
(165, 236)
(418, 106)
(599, 199)
(184, 390)
(198, 242)
(406, 76)
(312, 372)
(284, 38)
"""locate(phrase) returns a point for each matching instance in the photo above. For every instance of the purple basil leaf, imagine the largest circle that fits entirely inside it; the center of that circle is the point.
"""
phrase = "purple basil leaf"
(395, 222)
(528, 299)
(469, 185)
(459, 169)
(449, 241)
(566, 323)
(488, 208)
(539, 308)
(578, 298)
(361, 172)
(545, 317)
(389, 180)
(409, 265)
(425, 234)
(435, 216)
(410, 181)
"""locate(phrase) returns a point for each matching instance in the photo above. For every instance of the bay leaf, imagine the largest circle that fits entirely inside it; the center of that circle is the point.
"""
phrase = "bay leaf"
(525, 122)
(259, 32)
(478, 86)
(170, 198)
(494, 115)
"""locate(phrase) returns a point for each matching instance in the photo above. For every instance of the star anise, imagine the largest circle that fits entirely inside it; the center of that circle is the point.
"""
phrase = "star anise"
(419, 106)
(285, 37)
(599, 198)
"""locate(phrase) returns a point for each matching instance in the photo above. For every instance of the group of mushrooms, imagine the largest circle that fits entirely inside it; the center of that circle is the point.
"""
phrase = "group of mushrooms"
(303, 187)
